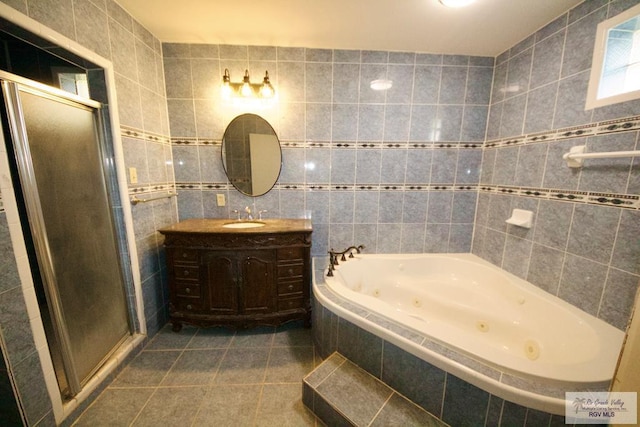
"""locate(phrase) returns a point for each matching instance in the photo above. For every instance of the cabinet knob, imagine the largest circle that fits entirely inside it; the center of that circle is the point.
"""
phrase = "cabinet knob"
(189, 307)
(291, 272)
(185, 255)
(187, 290)
(290, 287)
(186, 272)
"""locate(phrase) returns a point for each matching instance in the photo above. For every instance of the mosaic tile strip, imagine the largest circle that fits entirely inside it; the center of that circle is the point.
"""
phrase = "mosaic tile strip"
(627, 124)
(134, 133)
(194, 141)
(628, 201)
(216, 186)
(188, 186)
(334, 187)
(343, 144)
(146, 189)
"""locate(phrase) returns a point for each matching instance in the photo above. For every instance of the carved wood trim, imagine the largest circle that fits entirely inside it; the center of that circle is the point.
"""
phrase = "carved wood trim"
(236, 241)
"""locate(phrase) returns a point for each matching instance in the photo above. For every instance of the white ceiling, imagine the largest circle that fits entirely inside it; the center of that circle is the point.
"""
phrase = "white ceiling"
(485, 28)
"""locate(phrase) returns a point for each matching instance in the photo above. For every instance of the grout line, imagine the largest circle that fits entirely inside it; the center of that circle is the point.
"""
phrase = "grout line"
(381, 407)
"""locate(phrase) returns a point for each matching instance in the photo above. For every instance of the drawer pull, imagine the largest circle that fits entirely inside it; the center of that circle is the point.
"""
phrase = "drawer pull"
(185, 255)
(291, 272)
(189, 307)
(290, 287)
(187, 290)
(186, 272)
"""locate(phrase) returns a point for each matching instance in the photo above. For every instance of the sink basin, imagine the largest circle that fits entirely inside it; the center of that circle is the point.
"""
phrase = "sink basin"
(244, 224)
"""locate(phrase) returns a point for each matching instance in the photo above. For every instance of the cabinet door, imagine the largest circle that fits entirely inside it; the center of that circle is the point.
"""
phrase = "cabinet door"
(258, 289)
(221, 276)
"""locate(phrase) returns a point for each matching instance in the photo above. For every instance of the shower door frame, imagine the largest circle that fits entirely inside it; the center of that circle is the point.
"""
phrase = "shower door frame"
(11, 85)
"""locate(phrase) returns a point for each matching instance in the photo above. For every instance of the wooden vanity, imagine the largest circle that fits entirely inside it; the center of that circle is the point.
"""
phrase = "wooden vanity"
(238, 277)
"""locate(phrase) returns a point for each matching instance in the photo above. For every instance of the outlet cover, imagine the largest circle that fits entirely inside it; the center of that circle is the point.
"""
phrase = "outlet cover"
(133, 175)
(220, 199)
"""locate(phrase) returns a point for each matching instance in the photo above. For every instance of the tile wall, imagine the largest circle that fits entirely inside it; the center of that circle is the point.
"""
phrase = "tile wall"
(395, 170)
(584, 245)
(21, 356)
(103, 27)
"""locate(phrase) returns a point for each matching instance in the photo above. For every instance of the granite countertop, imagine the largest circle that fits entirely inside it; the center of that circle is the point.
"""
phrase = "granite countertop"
(215, 225)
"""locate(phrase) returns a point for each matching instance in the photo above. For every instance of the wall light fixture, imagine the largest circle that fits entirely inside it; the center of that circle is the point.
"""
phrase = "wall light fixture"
(246, 89)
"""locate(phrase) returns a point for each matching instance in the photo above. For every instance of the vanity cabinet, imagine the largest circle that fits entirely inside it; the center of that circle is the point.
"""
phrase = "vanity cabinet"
(221, 276)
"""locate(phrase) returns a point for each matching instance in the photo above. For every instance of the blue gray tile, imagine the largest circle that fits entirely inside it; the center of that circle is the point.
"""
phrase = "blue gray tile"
(545, 268)
(414, 378)
(464, 403)
(582, 283)
(618, 298)
(593, 232)
(354, 393)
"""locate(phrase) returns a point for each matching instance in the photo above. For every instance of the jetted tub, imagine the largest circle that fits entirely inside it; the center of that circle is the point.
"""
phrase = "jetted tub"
(482, 313)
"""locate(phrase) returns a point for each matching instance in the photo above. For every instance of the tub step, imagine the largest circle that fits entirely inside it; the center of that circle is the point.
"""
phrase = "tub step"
(342, 394)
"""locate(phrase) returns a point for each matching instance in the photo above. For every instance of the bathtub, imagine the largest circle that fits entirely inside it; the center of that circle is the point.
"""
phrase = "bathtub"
(481, 323)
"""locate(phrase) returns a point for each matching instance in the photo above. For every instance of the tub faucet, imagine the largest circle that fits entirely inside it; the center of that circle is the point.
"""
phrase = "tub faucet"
(333, 257)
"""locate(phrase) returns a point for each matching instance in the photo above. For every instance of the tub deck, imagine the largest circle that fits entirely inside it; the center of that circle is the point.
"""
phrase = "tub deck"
(529, 391)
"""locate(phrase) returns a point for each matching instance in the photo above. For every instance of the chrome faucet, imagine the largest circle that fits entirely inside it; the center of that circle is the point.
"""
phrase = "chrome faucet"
(248, 211)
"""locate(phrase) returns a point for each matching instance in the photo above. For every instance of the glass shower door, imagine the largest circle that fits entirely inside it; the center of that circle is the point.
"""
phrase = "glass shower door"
(61, 167)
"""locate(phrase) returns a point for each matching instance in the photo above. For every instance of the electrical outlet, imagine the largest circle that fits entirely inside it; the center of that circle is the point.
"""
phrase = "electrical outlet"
(133, 175)
(220, 199)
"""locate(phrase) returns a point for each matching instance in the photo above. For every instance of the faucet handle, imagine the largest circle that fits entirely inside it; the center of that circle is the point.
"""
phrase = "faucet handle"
(237, 212)
(261, 212)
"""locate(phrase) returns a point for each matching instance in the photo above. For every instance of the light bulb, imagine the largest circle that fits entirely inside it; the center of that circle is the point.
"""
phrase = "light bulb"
(456, 3)
(246, 89)
(226, 84)
(266, 90)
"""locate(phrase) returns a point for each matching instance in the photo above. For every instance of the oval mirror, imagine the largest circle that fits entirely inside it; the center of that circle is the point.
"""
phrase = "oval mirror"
(251, 154)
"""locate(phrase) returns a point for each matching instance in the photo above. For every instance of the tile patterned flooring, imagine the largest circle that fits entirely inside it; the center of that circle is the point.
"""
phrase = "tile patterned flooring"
(212, 377)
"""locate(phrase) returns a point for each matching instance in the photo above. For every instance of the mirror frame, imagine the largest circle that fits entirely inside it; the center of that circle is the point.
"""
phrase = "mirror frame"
(245, 138)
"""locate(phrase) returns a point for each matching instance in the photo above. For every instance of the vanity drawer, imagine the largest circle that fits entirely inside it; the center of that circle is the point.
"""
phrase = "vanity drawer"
(293, 287)
(183, 255)
(292, 253)
(290, 303)
(187, 289)
(290, 271)
(188, 304)
(186, 272)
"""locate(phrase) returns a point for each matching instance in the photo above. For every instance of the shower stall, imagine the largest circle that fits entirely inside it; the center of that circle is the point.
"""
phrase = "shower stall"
(62, 174)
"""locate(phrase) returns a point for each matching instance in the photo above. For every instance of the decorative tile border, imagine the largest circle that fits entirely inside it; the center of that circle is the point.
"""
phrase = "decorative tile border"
(153, 188)
(204, 186)
(627, 201)
(134, 133)
(343, 144)
(627, 124)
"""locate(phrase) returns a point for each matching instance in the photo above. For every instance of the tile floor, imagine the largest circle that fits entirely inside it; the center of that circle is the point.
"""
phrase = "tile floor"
(212, 377)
